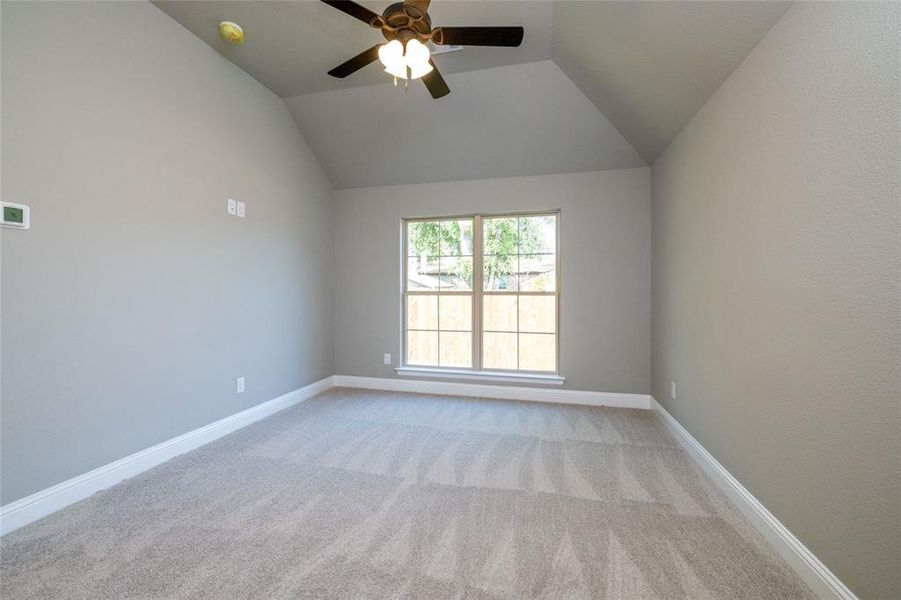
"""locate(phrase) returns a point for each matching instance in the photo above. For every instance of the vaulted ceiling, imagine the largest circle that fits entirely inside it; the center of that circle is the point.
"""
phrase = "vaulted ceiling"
(649, 66)
(595, 85)
(503, 122)
(292, 44)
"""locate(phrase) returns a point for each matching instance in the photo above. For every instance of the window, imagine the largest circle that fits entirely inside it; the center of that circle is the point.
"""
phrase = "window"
(481, 292)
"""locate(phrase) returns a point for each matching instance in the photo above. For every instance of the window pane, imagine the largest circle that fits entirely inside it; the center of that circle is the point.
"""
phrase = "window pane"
(500, 235)
(456, 349)
(499, 350)
(422, 273)
(537, 352)
(456, 238)
(422, 348)
(455, 313)
(422, 238)
(500, 273)
(538, 235)
(422, 312)
(538, 273)
(519, 280)
(538, 314)
(456, 273)
(499, 312)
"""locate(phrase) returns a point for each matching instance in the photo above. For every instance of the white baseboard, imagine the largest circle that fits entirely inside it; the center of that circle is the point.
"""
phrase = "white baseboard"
(817, 576)
(496, 391)
(820, 579)
(31, 508)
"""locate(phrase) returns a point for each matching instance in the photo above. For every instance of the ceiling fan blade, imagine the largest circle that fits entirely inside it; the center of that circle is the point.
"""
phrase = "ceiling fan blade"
(479, 36)
(356, 63)
(435, 83)
(354, 10)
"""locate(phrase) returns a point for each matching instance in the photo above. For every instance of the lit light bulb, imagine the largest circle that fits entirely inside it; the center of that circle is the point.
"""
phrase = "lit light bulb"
(419, 70)
(392, 56)
(417, 56)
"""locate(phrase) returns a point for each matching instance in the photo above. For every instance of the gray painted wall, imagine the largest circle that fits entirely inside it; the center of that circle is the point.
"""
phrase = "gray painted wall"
(134, 301)
(605, 259)
(777, 287)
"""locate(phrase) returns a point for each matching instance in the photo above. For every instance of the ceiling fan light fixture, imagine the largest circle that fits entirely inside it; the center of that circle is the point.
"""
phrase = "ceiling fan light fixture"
(417, 56)
(398, 71)
(406, 24)
(398, 59)
(392, 56)
(420, 70)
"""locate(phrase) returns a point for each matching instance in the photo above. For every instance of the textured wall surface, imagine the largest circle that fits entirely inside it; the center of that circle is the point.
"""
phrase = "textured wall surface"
(777, 282)
(605, 264)
(135, 301)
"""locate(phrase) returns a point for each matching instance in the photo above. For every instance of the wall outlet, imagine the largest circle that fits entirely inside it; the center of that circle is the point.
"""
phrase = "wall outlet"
(387, 359)
(240, 385)
(672, 390)
(240, 209)
(232, 206)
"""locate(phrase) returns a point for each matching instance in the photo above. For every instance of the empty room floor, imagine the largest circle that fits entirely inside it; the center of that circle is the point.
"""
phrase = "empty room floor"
(364, 494)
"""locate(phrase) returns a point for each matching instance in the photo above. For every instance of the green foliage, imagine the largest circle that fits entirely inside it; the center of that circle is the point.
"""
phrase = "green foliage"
(426, 236)
(504, 239)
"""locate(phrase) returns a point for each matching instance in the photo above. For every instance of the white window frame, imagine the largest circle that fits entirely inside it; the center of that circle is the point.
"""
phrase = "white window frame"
(477, 294)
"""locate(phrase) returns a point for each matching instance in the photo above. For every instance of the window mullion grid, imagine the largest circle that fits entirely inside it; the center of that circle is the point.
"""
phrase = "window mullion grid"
(478, 291)
(477, 287)
(518, 296)
(518, 286)
(405, 275)
(440, 286)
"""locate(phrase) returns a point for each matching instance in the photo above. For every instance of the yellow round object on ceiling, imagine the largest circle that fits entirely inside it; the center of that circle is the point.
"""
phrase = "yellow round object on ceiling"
(231, 32)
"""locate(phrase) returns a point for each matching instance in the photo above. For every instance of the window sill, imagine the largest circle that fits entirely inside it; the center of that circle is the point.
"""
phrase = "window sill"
(480, 375)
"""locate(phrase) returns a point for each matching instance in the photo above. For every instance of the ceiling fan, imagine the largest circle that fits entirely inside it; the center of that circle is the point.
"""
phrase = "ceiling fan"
(407, 26)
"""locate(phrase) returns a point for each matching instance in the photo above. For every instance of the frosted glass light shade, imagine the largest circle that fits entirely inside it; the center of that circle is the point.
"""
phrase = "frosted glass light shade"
(398, 59)
(392, 56)
(417, 56)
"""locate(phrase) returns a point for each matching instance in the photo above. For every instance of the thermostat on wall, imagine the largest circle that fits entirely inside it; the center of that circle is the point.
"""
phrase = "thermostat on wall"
(16, 216)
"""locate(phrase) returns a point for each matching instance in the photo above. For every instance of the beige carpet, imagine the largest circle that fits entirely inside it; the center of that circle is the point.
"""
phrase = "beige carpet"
(359, 494)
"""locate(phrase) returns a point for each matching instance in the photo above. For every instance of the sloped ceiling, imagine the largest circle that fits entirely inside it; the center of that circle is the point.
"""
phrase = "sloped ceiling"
(519, 120)
(649, 66)
(291, 44)
(625, 77)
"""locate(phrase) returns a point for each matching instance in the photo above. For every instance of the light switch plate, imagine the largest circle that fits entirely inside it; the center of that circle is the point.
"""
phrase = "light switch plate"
(232, 206)
(240, 209)
(240, 385)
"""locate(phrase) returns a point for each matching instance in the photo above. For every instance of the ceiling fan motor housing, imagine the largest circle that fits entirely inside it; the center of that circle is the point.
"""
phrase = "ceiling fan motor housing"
(403, 22)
